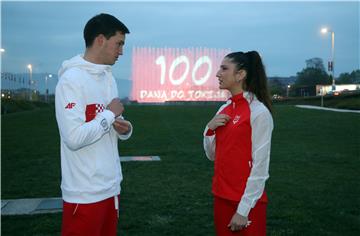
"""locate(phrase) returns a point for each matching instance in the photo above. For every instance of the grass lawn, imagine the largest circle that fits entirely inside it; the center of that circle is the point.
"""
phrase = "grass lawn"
(313, 187)
(343, 101)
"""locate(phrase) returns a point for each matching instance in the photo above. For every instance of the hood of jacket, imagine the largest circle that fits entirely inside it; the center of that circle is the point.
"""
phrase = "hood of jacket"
(79, 62)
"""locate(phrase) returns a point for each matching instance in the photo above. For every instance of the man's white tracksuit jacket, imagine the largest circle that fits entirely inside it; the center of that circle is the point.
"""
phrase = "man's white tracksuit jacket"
(90, 164)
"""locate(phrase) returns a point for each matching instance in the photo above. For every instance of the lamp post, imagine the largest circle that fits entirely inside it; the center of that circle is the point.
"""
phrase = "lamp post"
(322, 95)
(287, 90)
(48, 76)
(331, 63)
(30, 80)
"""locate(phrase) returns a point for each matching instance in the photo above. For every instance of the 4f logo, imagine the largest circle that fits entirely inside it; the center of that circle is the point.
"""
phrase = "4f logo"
(70, 105)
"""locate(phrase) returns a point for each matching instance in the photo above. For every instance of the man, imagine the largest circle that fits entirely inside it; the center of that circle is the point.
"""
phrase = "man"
(89, 116)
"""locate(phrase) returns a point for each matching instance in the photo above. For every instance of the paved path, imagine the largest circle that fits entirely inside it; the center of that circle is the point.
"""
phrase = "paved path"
(139, 158)
(327, 109)
(32, 206)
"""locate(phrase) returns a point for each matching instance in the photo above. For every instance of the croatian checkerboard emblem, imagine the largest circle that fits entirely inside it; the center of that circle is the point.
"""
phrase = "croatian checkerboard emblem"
(92, 110)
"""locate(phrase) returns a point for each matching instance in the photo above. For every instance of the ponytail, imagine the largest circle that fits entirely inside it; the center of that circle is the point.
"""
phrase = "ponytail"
(256, 80)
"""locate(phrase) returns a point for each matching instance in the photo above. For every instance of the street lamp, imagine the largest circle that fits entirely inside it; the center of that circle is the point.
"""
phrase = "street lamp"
(287, 90)
(331, 63)
(49, 76)
(30, 80)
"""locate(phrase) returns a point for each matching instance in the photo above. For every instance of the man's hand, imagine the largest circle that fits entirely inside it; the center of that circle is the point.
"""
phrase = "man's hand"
(121, 126)
(218, 120)
(116, 107)
(238, 222)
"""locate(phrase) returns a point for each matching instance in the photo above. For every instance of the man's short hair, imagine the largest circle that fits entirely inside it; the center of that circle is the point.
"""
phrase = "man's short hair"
(104, 24)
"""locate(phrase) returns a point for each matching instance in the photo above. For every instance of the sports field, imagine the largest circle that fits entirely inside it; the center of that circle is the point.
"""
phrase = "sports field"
(313, 187)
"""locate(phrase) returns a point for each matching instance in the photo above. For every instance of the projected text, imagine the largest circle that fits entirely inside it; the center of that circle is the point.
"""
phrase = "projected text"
(171, 74)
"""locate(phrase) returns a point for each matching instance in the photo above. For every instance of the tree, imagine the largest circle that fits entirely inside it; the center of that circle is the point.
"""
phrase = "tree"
(316, 63)
(312, 77)
(352, 78)
(313, 74)
(277, 87)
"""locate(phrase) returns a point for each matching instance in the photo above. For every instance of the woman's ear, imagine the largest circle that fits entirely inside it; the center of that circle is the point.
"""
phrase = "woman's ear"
(240, 75)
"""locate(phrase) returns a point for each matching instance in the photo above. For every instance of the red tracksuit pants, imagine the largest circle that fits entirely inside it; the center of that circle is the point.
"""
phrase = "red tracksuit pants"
(94, 219)
(225, 209)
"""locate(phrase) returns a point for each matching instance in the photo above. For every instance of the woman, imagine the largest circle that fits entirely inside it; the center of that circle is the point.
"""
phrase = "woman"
(238, 139)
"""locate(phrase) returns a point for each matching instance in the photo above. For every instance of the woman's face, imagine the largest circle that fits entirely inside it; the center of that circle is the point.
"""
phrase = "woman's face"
(227, 75)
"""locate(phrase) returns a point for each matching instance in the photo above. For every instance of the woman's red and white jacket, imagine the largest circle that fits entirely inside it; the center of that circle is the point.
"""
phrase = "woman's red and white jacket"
(241, 151)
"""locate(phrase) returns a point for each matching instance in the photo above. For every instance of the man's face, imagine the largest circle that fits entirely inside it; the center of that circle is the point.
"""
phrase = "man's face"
(112, 48)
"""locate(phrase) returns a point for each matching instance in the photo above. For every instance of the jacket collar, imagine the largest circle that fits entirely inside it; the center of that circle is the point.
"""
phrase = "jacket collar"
(237, 97)
(244, 95)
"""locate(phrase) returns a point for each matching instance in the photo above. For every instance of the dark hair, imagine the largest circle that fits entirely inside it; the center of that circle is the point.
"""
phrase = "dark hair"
(104, 24)
(256, 80)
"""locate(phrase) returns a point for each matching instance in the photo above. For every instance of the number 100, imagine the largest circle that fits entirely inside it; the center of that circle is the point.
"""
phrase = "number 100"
(183, 59)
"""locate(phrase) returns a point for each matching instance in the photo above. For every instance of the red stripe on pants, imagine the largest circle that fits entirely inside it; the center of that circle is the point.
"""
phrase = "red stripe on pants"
(225, 209)
(94, 219)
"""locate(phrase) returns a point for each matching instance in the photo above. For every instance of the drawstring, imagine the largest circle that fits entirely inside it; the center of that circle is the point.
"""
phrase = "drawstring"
(116, 205)
(116, 201)
(75, 209)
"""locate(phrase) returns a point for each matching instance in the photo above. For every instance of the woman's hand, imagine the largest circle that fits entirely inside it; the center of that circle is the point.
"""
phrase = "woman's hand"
(238, 222)
(218, 120)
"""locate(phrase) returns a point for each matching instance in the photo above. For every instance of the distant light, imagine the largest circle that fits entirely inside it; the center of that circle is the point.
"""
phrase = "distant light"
(50, 75)
(2, 50)
(2, 95)
(289, 86)
(29, 66)
(326, 30)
